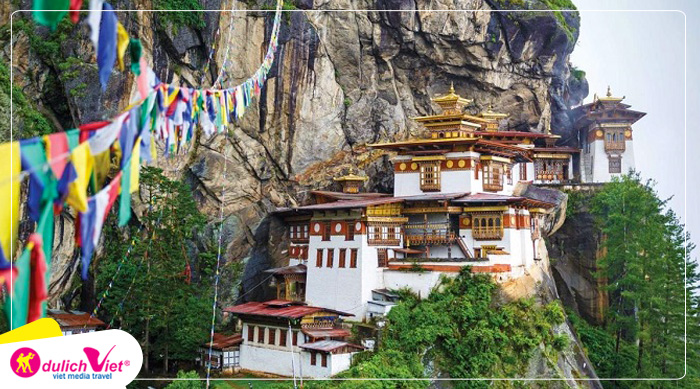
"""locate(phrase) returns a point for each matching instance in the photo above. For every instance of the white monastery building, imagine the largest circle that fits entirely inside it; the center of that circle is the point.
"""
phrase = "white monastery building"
(465, 194)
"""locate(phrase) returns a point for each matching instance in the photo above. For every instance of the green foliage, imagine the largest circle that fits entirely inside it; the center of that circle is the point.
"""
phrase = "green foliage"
(189, 19)
(463, 331)
(646, 256)
(26, 119)
(577, 201)
(151, 299)
(577, 74)
(186, 384)
(347, 102)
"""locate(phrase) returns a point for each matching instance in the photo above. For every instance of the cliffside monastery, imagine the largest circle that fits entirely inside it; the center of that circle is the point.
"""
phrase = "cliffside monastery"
(465, 194)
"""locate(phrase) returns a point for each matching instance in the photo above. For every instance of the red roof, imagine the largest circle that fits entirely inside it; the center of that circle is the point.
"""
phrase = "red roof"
(280, 309)
(222, 341)
(68, 319)
(296, 269)
(345, 204)
(327, 333)
(348, 196)
(562, 149)
(488, 198)
(329, 345)
(522, 134)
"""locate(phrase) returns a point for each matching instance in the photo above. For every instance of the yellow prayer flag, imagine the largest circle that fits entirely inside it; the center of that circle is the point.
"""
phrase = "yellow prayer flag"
(10, 168)
(135, 166)
(102, 166)
(122, 44)
(171, 97)
(82, 161)
(154, 151)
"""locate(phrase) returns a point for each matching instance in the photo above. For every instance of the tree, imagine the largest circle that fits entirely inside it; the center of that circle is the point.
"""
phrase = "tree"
(188, 384)
(163, 293)
(645, 258)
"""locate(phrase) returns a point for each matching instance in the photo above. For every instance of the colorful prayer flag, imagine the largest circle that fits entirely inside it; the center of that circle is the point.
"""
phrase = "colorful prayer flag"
(50, 12)
(122, 44)
(10, 167)
(107, 47)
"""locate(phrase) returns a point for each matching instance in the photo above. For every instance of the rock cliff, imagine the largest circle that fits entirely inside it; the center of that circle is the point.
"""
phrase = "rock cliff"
(341, 80)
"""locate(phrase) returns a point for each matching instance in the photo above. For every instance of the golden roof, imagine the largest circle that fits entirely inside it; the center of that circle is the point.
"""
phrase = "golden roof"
(608, 97)
(490, 114)
(351, 177)
(452, 102)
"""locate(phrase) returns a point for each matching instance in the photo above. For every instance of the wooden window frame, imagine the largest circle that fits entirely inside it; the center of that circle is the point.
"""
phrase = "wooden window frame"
(251, 335)
(614, 140)
(487, 226)
(261, 335)
(523, 171)
(341, 257)
(283, 338)
(313, 358)
(492, 176)
(324, 360)
(509, 174)
(383, 234)
(353, 258)
(295, 336)
(319, 257)
(429, 174)
(382, 257)
(329, 257)
(271, 335)
(614, 164)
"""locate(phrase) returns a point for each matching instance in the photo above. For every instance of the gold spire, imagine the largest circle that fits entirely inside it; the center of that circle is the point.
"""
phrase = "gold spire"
(452, 103)
(609, 97)
(609, 94)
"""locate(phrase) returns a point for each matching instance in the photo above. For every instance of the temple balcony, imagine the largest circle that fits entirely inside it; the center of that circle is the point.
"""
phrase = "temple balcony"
(618, 146)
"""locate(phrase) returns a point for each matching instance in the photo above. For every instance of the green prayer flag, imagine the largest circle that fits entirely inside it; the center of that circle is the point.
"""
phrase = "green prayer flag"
(73, 136)
(50, 12)
(125, 196)
(17, 307)
(45, 229)
(135, 51)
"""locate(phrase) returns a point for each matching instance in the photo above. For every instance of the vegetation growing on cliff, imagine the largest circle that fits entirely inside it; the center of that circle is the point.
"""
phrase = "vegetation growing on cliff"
(646, 257)
(163, 293)
(459, 331)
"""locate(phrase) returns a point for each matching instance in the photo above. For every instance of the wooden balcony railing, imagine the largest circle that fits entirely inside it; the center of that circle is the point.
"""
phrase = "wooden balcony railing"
(493, 187)
(487, 233)
(430, 238)
(615, 146)
(383, 241)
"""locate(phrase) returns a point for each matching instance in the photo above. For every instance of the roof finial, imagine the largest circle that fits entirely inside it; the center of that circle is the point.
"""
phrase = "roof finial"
(452, 87)
(609, 94)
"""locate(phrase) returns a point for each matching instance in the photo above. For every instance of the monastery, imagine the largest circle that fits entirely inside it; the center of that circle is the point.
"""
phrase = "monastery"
(465, 194)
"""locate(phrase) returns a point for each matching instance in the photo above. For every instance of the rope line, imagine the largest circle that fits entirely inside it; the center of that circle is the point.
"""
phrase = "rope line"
(218, 264)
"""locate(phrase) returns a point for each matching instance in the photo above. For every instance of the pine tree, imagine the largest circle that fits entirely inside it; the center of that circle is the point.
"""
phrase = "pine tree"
(156, 298)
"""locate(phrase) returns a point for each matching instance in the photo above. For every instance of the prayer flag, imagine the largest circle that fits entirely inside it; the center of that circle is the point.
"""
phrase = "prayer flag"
(82, 161)
(55, 11)
(75, 6)
(42, 182)
(37, 288)
(135, 50)
(57, 152)
(107, 48)
(122, 44)
(94, 18)
(10, 167)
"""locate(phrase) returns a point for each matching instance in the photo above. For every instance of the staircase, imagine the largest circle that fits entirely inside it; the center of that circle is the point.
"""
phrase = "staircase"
(463, 247)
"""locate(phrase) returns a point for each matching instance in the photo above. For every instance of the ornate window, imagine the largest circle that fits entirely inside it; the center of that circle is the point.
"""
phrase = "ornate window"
(383, 234)
(614, 164)
(430, 176)
(549, 170)
(523, 171)
(615, 140)
(251, 329)
(492, 176)
(299, 233)
(487, 226)
(509, 175)
(382, 257)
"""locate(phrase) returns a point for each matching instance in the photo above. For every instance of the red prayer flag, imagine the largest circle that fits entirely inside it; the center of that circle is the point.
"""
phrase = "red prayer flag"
(75, 6)
(37, 290)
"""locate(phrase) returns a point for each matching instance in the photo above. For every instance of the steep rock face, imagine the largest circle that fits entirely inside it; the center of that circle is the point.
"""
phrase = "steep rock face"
(574, 250)
(341, 80)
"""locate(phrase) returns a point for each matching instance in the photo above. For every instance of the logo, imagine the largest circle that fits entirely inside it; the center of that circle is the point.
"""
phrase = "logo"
(25, 362)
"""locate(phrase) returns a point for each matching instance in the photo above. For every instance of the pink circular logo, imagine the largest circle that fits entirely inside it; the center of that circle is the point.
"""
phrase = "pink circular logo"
(25, 362)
